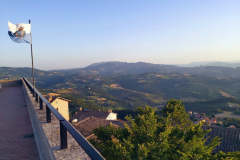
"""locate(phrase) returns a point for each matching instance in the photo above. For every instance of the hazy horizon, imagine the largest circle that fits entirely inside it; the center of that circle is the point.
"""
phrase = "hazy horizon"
(75, 34)
(123, 62)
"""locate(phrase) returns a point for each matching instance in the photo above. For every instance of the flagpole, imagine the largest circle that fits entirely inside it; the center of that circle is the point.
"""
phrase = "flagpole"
(32, 55)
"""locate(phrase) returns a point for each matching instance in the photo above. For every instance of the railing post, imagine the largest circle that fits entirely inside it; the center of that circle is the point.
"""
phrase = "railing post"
(33, 92)
(63, 136)
(41, 104)
(28, 85)
(48, 112)
(36, 97)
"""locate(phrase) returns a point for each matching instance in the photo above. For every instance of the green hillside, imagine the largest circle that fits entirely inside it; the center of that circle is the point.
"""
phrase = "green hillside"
(128, 91)
(131, 91)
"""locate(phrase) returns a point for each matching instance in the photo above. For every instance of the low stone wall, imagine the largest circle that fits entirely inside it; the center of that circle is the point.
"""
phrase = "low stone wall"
(52, 133)
(10, 83)
(44, 149)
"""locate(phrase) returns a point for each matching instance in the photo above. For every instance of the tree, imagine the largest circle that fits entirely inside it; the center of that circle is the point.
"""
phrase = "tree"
(150, 136)
(175, 111)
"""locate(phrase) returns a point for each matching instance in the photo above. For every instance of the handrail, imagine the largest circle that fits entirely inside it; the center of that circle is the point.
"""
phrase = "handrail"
(65, 126)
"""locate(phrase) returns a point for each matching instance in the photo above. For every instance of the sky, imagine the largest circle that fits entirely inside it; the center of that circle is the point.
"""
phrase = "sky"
(75, 34)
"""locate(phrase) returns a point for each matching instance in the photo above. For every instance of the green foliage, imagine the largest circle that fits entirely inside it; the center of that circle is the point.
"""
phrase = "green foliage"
(176, 111)
(121, 114)
(226, 122)
(150, 136)
(212, 107)
(227, 156)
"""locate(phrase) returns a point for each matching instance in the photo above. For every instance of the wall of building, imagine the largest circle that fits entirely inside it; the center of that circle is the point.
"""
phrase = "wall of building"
(62, 107)
(112, 116)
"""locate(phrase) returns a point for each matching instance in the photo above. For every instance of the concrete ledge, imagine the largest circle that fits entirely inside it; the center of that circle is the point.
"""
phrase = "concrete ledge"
(10, 83)
(44, 148)
(52, 132)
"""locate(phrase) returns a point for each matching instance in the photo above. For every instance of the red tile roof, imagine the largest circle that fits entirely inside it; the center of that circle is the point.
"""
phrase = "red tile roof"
(83, 114)
(86, 126)
(231, 126)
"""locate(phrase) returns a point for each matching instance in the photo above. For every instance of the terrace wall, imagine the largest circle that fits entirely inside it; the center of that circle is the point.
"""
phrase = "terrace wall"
(44, 148)
(10, 83)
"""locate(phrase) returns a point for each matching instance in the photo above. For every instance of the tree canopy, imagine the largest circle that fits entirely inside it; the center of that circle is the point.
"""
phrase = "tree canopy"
(151, 136)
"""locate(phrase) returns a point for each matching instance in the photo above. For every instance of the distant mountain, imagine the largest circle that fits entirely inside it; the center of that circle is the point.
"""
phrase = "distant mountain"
(212, 63)
(224, 64)
(196, 64)
(121, 68)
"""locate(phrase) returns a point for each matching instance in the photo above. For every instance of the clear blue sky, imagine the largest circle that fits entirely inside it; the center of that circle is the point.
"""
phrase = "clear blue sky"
(73, 34)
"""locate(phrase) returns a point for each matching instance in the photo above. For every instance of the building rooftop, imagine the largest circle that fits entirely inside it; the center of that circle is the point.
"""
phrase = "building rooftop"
(86, 126)
(86, 113)
(51, 99)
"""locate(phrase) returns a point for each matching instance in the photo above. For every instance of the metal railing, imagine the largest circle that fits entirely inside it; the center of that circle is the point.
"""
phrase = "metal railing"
(65, 126)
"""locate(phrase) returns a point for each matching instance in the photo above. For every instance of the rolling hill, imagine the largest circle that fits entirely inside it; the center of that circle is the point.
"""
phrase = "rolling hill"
(120, 85)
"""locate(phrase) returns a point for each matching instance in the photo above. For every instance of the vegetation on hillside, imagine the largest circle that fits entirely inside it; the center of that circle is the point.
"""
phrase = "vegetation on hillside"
(207, 94)
(150, 136)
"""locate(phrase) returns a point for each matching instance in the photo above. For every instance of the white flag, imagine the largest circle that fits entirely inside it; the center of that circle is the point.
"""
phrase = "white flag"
(20, 32)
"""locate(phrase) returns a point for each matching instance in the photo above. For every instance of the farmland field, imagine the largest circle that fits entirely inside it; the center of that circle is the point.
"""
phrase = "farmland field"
(228, 115)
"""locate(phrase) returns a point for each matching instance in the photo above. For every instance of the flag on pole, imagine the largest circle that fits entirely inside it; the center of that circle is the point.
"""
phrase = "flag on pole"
(20, 33)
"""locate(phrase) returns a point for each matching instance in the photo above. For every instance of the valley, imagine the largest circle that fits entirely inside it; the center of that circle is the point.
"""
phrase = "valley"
(126, 86)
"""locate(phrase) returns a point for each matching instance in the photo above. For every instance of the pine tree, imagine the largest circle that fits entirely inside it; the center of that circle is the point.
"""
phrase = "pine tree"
(150, 136)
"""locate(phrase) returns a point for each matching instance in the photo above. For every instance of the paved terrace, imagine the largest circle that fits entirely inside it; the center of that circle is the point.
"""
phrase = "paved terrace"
(36, 136)
(16, 133)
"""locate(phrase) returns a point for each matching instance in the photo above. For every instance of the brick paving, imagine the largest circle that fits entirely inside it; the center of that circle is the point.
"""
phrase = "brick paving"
(15, 124)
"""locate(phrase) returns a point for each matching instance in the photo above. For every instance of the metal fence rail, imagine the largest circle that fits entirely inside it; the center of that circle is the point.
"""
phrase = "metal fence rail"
(65, 126)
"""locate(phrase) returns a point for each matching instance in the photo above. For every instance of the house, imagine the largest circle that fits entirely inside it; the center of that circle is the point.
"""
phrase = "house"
(205, 117)
(190, 112)
(83, 114)
(61, 105)
(213, 121)
(86, 126)
(197, 115)
(207, 121)
(86, 120)
(231, 126)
